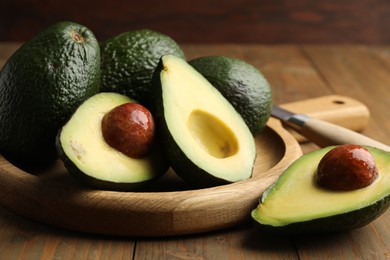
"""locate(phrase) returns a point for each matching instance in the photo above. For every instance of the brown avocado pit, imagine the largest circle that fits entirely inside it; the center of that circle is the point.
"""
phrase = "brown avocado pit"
(347, 167)
(129, 128)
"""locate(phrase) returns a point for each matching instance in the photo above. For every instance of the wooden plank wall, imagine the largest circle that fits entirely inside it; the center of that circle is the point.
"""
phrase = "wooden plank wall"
(209, 21)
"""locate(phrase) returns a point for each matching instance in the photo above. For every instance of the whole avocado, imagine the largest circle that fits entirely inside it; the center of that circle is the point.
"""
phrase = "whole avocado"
(243, 85)
(41, 85)
(129, 60)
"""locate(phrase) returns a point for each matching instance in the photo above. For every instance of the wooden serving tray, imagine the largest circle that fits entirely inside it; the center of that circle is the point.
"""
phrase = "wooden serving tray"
(169, 207)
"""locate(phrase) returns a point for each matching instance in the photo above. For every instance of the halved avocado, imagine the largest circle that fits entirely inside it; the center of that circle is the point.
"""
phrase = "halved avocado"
(296, 204)
(91, 160)
(206, 141)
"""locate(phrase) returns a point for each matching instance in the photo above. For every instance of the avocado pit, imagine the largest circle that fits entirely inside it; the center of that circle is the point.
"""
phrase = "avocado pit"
(129, 128)
(347, 167)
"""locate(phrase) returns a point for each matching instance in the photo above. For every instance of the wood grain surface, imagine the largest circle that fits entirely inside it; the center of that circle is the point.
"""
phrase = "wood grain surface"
(295, 72)
(217, 21)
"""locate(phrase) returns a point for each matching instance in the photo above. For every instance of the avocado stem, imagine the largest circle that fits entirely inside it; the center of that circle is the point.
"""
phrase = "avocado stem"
(77, 37)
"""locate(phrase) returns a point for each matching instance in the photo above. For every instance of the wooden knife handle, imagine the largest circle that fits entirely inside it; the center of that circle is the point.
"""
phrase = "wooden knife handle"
(340, 110)
(324, 134)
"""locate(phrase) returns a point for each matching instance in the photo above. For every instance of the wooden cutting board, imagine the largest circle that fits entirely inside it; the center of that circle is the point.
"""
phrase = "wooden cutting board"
(170, 206)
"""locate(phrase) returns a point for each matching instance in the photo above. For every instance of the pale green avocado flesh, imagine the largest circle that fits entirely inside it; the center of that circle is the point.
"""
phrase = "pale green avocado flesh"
(296, 203)
(206, 140)
(89, 158)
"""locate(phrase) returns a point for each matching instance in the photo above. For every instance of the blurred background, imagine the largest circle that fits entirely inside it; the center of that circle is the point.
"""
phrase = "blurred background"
(216, 21)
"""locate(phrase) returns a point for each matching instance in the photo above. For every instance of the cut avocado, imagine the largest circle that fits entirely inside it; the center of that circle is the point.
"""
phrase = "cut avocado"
(91, 160)
(243, 85)
(207, 142)
(41, 85)
(129, 60)
(296, 204)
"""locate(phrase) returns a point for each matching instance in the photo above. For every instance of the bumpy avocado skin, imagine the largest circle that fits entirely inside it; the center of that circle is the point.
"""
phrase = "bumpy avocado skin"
(41, 85)
(336, 223)
(243, 85)
(129, 60)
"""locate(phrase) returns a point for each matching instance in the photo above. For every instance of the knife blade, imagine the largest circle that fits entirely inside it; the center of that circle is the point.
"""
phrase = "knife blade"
(323, 133)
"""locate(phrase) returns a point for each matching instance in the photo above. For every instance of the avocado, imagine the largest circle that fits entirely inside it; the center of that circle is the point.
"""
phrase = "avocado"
(295, 203)
(129, 60)
(81, 147)
(41, 85)
(241, 84)
(205, 139)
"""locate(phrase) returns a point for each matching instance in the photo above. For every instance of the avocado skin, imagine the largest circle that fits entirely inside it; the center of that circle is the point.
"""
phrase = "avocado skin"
(41, 85)
(129, 60)
(337, 223)
(178, 161)
(241, 84)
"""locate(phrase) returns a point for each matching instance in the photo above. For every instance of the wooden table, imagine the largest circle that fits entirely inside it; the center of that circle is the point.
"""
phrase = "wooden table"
(296, 72)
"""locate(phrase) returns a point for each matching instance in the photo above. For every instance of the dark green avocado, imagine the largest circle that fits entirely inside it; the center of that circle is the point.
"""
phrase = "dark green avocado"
(86, 155)
(242, 84)
(296, 204)
(129, 60)
(205, 140)
(41, 85)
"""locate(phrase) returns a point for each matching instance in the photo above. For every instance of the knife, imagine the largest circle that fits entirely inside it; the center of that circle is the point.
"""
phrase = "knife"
(323, 133)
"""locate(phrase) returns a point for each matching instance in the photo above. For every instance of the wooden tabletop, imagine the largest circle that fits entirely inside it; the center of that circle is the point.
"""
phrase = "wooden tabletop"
(295, 72)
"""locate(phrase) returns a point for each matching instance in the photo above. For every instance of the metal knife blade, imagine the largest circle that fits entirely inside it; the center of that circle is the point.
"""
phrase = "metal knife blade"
(323, 133)
(288, 117)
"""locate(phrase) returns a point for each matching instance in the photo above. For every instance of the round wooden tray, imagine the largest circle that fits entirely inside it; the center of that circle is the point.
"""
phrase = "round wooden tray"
(169, 207)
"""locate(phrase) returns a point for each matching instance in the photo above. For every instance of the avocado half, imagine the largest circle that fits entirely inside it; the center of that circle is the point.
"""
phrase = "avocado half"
(91, 160)
(296, 204)
(206, 140)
